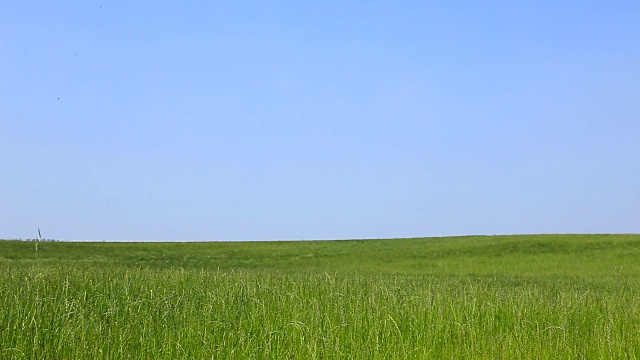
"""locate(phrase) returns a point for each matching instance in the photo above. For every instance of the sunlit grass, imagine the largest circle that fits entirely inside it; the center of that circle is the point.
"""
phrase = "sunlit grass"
(274, 301)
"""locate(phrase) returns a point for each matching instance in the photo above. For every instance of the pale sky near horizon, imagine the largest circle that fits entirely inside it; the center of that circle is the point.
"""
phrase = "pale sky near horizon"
(261, 120)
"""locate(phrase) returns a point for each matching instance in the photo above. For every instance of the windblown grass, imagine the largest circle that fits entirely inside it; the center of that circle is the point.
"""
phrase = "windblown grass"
(519, 297)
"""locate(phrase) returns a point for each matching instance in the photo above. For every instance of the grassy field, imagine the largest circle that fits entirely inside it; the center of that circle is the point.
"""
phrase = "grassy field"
(510, 297)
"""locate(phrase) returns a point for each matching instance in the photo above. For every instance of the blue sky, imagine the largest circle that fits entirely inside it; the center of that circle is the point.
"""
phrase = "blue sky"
(167, 120)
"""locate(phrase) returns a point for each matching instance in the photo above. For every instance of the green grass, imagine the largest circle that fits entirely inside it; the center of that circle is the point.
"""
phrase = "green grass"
(524, 297)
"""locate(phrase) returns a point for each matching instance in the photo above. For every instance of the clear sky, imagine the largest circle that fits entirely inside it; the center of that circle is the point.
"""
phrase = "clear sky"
(201, 120)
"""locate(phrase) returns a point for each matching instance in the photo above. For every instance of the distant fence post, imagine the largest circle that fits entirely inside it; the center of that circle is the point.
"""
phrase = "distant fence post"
(38, 239)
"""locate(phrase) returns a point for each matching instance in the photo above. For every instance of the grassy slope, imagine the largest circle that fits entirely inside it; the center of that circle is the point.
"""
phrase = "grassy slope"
(521, 255)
